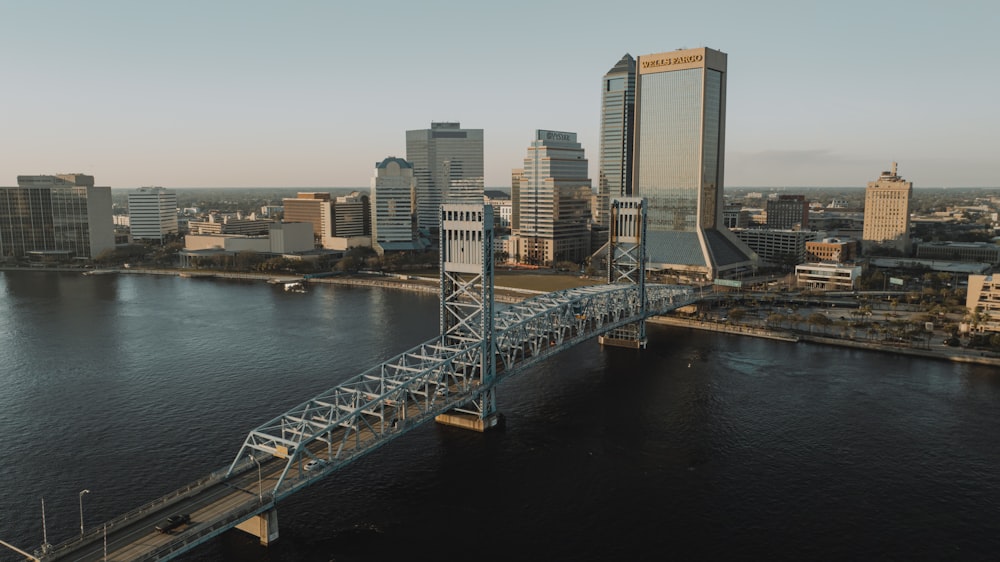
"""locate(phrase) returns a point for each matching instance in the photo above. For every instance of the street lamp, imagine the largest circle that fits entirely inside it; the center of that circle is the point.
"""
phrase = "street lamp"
(82, 492)
(260, 482)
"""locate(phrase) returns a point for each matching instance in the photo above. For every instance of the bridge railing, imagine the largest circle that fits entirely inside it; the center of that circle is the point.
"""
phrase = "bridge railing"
(174, 496)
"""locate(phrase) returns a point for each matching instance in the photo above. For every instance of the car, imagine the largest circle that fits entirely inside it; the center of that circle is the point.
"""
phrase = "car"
(172, 522)
(313, 464)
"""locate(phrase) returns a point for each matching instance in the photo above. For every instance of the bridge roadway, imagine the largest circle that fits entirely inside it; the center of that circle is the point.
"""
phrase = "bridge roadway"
(362, 414)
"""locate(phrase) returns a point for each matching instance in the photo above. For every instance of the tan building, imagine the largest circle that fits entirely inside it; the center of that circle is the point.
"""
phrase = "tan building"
(836, 250)
(887, 214)
(310, 207)
(983, 298)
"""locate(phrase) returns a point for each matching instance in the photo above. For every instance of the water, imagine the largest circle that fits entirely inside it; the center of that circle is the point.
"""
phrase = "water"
(703, 446)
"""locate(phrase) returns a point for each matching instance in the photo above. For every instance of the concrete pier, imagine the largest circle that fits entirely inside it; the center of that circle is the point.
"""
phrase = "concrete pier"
(263, 526)
(470, 421)
(618, 342)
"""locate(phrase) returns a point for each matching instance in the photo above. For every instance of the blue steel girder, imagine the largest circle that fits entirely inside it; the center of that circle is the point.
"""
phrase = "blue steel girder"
(387, 400)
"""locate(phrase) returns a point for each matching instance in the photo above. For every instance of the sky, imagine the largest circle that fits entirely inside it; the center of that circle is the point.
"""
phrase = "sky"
(313, 94)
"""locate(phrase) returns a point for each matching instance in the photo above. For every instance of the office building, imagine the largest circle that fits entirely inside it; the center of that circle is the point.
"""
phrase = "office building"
(980, 252)
(983, 301)
(777, 247)
(678, 165)
(351, 215)
(516, 177)
(392, 205)
(152, 213)
(448, 166)
(617, 111)
(554, 201)
(828, 276)
(788, 212)
(887, 215)
(55, 218)
(836, 250)
(311, 207)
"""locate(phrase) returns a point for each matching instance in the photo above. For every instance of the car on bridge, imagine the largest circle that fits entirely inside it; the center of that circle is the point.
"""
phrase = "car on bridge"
(313, 464)
(172, 522)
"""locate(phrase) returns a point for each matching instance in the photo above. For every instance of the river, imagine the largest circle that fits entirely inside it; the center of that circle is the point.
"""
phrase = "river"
(703, 446)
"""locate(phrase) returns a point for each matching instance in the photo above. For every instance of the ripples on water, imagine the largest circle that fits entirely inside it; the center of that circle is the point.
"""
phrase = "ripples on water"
(702, 446)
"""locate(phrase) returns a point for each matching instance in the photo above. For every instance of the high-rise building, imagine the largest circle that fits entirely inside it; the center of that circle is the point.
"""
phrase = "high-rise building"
(311, 207)
(617, 110)
(152, 213)
(554, 200)
(516, 177)
(55, 217)
(448, 166)
(678, 164)
(788, 212)
(887, 215)
(351, 216)
(392, 205)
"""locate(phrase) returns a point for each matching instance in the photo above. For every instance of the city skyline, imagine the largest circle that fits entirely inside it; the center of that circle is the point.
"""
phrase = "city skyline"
(309, 95)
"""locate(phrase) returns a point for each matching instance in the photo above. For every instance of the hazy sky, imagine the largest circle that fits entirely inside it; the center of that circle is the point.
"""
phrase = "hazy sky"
(312, 94)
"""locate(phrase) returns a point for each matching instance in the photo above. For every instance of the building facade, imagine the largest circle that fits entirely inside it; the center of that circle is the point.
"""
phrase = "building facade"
(678, 164)
(351, 216)
(311, 207)
(152, 213)
(554, 201)
(828, 276)
(617, 116)
(982, 252)
(392, 205)
(983, 301)
(788, 212)
(779, 247)
(836, 250)
(887, 214)
(448, 167)
(58, 217)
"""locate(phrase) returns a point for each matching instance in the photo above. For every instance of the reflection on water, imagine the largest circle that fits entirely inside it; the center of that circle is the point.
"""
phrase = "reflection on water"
(702, 446)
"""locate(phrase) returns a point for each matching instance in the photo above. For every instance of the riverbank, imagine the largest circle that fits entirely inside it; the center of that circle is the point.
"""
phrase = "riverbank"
(941, 352)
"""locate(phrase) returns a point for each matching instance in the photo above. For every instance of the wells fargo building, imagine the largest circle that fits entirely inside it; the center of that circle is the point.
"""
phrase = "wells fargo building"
(678, 164)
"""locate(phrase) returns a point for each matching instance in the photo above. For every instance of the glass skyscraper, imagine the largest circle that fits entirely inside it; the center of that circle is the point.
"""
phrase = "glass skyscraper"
(678, 163)
(448, 168)
(617, 110)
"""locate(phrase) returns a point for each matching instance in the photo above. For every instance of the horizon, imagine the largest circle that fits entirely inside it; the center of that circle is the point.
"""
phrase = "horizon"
(307, 95)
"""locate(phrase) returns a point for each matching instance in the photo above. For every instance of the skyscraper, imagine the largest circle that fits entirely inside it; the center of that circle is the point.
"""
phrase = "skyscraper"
(152, 213)
(887, 214)
(554, 200)
(392, 205)
(55, 217)
(448, 166)
(678, 163)
(617, 110)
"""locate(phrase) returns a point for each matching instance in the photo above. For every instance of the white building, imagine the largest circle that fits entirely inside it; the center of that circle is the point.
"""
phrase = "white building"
(152, 213)
(392, 205)
(983, 299)
(828, 276)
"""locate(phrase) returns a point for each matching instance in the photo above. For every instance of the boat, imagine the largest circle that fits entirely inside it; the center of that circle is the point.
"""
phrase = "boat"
(295, 287)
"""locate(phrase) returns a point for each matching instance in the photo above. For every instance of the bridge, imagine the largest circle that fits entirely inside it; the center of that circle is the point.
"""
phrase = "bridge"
(451, 379)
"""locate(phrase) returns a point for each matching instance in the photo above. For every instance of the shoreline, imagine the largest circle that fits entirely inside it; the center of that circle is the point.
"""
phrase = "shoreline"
(955, 355)
(512, 295)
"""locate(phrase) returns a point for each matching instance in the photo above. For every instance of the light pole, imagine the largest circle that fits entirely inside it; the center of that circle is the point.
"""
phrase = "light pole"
(260, 483)
(82, 492)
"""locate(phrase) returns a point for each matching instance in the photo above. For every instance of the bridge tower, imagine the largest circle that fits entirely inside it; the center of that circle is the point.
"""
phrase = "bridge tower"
(466, 264)
(626, 263)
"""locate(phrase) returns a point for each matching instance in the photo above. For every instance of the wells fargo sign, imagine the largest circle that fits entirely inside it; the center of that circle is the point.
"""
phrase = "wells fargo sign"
(677, 60)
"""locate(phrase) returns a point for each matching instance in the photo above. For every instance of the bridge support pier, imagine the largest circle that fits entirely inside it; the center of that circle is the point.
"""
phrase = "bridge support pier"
(263, 526)
(628, 342)
(470, 421)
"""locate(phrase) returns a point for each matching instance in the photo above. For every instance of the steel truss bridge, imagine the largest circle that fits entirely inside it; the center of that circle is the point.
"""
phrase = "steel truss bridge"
(451, 378)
